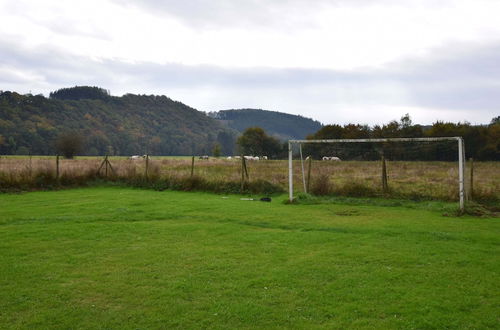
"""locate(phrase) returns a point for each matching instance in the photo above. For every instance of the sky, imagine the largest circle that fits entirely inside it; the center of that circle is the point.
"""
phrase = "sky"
(336, 61)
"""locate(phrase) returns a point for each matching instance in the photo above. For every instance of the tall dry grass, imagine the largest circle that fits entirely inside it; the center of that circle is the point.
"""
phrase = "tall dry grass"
(414, 180)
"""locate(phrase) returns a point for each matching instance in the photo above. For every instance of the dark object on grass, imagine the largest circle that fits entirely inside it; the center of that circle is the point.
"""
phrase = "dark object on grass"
(265, 199)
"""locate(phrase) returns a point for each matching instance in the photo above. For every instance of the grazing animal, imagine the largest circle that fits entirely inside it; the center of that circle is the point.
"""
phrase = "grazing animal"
(203, 157)
(264, 157)
(137, 157)
(333, 158)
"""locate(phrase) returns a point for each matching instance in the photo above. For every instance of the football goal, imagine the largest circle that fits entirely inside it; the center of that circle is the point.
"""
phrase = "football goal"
(379, 146)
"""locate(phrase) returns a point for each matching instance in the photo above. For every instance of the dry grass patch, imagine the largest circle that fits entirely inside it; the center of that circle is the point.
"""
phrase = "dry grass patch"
(406, 179)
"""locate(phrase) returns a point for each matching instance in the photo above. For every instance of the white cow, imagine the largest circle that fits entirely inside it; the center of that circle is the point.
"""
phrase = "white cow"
(333, 158)
(136, 157)
(203, 157)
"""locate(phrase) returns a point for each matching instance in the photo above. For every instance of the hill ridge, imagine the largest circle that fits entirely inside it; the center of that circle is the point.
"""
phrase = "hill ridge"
(282, 125)
(114, 125)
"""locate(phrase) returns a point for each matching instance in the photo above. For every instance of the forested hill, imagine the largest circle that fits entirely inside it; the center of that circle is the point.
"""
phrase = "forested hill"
(282, 125)
(126, 125)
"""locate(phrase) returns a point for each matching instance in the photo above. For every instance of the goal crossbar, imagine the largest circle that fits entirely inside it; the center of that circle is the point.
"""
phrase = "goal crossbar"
(461, 156)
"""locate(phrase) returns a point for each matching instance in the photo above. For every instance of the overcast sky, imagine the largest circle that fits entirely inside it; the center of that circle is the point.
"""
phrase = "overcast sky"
(337, 61)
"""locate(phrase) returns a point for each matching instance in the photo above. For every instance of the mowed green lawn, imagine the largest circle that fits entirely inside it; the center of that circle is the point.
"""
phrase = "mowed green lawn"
(123, 258)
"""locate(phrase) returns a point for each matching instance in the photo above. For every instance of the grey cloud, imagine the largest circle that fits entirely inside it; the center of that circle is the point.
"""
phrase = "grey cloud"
(211, 14)
(285, 14)
(459, 76)
(67, 27)
(61, 25)
(466, 79)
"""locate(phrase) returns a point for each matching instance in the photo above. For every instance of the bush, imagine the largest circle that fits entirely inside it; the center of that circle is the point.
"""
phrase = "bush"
(321, 186)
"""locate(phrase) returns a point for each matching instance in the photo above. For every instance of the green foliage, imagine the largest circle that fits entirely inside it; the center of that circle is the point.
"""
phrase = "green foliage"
(481, 142)
(80, 93)
(216, 151)
(281, 125)
(69, 144)
(127, 125)
(254, 141)
(226, 139)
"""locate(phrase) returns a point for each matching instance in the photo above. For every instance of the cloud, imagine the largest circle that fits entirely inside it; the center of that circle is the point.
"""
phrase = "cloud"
(204, 14)
(459, 84)
(457, 76)
(283, 14)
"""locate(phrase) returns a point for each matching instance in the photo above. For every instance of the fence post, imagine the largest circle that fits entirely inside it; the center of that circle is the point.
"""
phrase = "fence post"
(245, 167)
(471, 189)
(57, 168)
(309, 173)
(30, 169)
(106, 168)
(242, 172)
(192, 166)
(384, 176)
(147, 165)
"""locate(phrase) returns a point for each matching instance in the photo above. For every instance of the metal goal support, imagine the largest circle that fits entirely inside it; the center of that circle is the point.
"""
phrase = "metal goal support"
(461, 157)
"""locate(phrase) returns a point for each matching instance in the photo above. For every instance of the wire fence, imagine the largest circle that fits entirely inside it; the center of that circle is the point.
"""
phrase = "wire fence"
(406, 179)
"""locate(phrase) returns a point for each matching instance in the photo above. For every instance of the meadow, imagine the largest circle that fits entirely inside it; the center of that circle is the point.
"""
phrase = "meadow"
(123, 258)
(415, 180)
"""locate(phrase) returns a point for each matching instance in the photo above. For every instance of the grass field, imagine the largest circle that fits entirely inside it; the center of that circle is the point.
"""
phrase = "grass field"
(138, 259)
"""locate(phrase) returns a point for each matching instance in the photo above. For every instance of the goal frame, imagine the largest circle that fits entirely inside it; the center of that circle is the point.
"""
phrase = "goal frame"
(461, 157)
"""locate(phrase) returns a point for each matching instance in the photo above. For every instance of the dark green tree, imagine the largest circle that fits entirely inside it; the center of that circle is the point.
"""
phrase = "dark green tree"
(254, 141)
(69, 144)
(216, 151)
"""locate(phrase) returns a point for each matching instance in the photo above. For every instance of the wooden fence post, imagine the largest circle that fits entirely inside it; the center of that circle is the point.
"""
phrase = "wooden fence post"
(30, 168)
(192, 166)
(309, 173)
(471, 190)
(106, 164)
(147, 166)
(57, 168)
(244, 172)
(384, 176)
(245, 167)
(112, 170)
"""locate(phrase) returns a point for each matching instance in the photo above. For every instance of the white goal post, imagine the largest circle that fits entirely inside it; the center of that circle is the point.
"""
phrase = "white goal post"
(461, 157)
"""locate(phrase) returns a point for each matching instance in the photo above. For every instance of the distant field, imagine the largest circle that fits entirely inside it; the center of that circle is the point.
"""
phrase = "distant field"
(119, 258)
(407, 179)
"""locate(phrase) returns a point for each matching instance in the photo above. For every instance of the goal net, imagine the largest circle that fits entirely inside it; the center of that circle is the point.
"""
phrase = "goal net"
(403, 160)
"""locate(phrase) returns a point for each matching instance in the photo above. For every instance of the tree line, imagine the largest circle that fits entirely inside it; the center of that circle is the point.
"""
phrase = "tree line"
(481, 142)
(102, 124)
